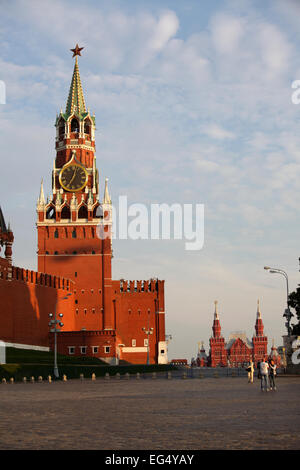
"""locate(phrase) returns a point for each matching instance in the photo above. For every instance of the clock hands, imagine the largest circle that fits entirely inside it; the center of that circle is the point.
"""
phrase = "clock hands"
(74, 174)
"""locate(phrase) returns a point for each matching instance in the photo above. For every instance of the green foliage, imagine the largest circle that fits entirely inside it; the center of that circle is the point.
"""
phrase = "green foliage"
(294, 302)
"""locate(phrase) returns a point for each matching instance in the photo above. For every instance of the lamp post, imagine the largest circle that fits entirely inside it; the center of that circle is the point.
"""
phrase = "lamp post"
(288, 314)
(148, 331)
(53, 323)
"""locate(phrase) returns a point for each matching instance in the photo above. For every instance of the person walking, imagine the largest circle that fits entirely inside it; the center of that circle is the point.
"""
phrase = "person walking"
(264, 381)
(272, 374)
(250, 370)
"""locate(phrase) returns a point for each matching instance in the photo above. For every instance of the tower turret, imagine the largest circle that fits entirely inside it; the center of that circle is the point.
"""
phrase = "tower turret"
(217, 356)
(259, 340)
(216, 325)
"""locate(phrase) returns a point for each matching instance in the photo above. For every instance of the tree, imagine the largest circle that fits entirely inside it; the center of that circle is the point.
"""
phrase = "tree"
(294, 302)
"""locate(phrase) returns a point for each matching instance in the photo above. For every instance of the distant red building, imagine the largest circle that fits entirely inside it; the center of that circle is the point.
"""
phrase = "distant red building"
(239, 350)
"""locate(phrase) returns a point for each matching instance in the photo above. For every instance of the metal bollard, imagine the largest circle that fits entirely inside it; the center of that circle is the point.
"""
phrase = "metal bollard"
(138, 376)
(11, 380)
(81, 377)
(49, 379)
(4, 381)
(184, 376)
(169, 375)
(93, 377)
(107, 376)
(65, 378)
(40, 378)
(127, 376)
(24, 380)
(154, 375)
(118, 375)
(32, 380)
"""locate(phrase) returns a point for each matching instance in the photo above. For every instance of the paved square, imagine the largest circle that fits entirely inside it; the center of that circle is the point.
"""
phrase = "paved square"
(150, 414)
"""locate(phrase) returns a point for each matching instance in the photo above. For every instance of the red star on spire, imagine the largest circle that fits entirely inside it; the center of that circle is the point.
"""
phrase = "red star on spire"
(76, 50)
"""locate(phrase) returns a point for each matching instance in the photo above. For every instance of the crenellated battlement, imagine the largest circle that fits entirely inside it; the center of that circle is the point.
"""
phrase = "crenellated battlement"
(33, 277)
(151, 285)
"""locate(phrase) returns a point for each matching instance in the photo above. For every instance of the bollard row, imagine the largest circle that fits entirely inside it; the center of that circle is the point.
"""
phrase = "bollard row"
(107, 376)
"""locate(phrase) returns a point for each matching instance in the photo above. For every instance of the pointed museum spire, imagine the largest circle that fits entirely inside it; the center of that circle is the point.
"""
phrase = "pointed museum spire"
(258, 315)
(76, 103)
(216, 310)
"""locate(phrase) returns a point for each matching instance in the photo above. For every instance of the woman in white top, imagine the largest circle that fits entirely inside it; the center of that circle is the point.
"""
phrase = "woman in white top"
(264, 384)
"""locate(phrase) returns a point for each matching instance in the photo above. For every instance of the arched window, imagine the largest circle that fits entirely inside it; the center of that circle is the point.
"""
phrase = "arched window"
(61, 127)
(74, 125)
(65, 213)
(74, 235)
(98, 212)
(56, 234)
(83, 213)
(87, 127)
(50, 213)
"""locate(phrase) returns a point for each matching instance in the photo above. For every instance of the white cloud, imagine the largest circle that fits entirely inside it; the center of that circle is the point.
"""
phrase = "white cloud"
(227, 32)
(216, 132)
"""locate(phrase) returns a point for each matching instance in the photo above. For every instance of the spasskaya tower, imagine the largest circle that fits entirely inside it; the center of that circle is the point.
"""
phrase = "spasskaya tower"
(68, 224)
(104, 318)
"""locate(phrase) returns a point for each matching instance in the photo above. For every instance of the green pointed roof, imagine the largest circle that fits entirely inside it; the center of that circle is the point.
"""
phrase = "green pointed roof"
(76, 103)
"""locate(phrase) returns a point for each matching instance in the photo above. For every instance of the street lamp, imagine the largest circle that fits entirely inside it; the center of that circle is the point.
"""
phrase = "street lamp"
(287, 313)
(53, 323)
(148, 331)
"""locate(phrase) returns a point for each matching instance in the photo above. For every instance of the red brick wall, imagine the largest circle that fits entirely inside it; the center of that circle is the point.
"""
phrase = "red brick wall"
(25, 303)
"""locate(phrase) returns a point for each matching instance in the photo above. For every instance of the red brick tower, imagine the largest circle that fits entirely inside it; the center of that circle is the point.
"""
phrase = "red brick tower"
(260, 342)
(106, 318)
(218, 355)
(69, 224)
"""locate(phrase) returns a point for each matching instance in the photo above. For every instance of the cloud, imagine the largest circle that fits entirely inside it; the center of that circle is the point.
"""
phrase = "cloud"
(227, 32)
(216, 132)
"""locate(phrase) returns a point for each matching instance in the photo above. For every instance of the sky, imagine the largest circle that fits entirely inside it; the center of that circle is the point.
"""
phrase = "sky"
(193, 105)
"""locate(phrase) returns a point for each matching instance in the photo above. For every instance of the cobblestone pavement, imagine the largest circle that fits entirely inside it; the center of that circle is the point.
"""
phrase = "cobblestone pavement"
(148, 414)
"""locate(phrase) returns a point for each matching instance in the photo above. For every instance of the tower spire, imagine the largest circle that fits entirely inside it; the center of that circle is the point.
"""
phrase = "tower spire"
(41, 200)
(216, 324)
(76, 103)
(216, 310)
(258, 310)
(106, 199)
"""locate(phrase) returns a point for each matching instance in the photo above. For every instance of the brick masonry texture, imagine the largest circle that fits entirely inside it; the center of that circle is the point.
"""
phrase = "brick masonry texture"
(147, 414)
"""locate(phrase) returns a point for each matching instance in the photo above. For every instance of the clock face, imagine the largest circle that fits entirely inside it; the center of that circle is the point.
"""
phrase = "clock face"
(73, 177)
